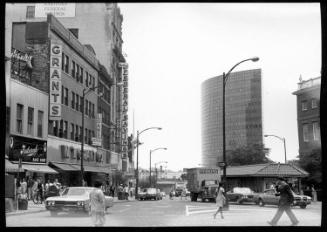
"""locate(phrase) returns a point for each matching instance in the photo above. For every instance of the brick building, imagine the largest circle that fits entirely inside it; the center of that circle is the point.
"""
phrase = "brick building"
(308, 115)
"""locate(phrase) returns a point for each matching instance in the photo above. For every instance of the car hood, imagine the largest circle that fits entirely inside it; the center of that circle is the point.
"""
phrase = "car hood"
(68, 198)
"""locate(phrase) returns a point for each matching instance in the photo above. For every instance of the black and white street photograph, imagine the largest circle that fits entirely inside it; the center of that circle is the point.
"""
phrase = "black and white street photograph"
(157, 115)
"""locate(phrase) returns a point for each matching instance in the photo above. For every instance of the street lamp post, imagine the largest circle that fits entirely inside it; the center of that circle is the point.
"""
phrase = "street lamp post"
(283, 140)
(160, 148)
(85, 92)
(137, 157)
(225, 78)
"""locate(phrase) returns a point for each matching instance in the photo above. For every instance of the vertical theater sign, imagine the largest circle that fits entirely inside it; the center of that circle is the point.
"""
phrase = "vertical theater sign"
(55, 81)
(124, 115)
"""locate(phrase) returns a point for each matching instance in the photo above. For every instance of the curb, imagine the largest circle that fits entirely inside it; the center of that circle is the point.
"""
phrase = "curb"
(20, 212)
(24, 212)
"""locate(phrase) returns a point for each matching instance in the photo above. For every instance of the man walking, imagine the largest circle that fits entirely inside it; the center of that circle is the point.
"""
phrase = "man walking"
(285, 201)
(97, 202)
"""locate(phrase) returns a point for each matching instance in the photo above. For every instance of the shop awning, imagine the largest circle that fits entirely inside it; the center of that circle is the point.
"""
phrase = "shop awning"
(76, 167)
(66, 167)
(96, 169)
(42, 168)
(10, 167)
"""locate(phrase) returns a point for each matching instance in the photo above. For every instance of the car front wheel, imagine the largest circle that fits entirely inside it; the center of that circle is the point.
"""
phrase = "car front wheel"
(303, 206)
(261, 203)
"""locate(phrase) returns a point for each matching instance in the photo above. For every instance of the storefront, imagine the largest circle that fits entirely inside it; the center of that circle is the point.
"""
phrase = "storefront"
(31, 155)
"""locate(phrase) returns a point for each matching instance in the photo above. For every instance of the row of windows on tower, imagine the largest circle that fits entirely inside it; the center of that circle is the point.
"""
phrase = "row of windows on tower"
(77, 71)
(30, 121)
(77, 102)
(59, 128)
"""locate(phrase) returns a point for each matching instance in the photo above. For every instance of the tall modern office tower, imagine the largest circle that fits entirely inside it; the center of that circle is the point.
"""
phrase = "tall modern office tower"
(243, 111)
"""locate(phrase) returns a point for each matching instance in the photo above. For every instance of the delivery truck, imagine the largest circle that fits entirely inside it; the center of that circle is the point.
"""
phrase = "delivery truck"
(203, 183)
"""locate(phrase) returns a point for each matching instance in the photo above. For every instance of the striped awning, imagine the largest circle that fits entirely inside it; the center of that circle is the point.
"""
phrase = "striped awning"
(76, 167)
(41, 168)
(66, 167)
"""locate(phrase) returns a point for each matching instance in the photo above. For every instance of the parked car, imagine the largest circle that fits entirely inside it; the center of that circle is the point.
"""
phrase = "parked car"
(141, 194)
(188, 193)
(150, 193)
(271, 197)
(73, 199)
(163, 194)
(241, 195)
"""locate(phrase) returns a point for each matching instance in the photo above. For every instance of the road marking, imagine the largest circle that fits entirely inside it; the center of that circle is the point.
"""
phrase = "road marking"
(190, 209)
(123, 210)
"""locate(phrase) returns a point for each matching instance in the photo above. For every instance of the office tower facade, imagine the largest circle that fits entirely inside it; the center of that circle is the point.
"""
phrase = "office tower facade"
(243, 112)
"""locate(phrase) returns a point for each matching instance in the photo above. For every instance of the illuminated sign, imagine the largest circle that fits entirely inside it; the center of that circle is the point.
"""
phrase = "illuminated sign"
(99, 126)
(29, 150)
(55, 81)
(58, 10)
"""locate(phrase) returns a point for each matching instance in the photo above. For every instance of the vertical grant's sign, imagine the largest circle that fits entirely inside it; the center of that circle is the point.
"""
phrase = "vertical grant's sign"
(55, 81)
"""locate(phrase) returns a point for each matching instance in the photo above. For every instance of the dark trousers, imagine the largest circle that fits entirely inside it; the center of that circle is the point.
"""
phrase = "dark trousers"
(281, 210)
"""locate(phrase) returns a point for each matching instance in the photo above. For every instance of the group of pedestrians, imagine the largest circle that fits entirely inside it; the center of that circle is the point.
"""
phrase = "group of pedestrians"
(33, 188)
(285, 201)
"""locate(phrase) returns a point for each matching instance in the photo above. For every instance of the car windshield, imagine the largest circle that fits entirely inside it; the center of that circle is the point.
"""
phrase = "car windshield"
(74, 192)
(242, 190)
(152, 191)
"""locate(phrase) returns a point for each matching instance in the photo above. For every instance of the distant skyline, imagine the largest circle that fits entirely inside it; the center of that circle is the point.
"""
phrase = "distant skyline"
(173, 47)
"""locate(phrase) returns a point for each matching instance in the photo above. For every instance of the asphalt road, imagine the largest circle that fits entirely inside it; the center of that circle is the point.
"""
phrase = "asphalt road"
(170, 213)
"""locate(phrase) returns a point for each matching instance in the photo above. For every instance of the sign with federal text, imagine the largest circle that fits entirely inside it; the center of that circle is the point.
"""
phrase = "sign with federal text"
(124, 104)
(55, 81)
(59, 10)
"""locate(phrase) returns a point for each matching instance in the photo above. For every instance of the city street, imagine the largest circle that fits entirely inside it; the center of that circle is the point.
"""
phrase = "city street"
(174, 213)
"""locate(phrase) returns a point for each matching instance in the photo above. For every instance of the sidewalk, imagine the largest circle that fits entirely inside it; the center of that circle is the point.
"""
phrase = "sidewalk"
(36, 208)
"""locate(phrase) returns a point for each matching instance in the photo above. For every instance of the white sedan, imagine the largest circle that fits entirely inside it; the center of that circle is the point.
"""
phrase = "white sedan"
(73, 199)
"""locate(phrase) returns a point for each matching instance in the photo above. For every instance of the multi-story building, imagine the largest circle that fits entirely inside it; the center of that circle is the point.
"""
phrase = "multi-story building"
(62, 68)
(243, 111)
(308, 115)
(98, 24)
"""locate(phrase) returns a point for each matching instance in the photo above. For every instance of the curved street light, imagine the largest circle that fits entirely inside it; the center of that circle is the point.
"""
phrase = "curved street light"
(151, 151)
(137, 156)
(283, 140)
(225, 78)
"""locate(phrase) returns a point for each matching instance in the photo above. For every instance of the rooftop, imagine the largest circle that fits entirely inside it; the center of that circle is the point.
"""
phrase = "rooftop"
(269, 169)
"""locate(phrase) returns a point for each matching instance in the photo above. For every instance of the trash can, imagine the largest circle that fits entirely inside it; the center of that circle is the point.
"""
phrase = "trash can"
(22, 204)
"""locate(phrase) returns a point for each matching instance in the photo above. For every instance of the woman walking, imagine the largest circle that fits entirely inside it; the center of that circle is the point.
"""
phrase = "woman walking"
(220, 200)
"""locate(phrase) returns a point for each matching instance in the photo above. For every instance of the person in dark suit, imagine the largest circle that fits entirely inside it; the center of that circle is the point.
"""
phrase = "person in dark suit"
(285, 201)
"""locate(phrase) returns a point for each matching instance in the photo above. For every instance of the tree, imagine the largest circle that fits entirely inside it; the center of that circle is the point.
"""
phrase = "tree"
(311, 162)
(252, 154)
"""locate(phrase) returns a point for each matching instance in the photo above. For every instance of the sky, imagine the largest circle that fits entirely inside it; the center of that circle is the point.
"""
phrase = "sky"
(173, 47)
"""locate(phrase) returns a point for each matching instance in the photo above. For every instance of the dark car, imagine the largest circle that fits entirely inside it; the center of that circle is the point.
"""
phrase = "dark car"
(52, 192)
(241, 195)
(271, 197)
